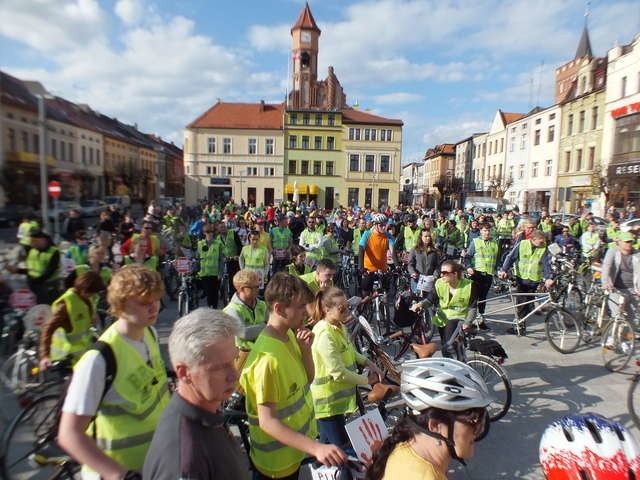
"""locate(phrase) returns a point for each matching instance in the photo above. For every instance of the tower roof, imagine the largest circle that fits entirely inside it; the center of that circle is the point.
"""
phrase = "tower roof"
(584, 47)
(306, 20)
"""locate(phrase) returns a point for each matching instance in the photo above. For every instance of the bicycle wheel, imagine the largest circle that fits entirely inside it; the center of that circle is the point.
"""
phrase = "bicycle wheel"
(571, 299)
(633, 400)
(563, 330)
(497, 382)
(618, 343)
(29, 447)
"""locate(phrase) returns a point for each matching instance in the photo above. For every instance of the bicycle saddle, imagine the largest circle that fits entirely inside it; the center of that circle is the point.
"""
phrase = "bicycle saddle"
(380, 391)
(424, 351)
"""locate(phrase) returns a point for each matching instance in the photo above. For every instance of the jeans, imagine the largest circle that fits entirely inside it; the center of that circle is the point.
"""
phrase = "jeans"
(483, 283)
(523, 310)
(332, 430)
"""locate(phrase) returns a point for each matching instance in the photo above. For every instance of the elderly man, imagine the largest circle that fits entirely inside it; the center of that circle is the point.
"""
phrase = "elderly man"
(191, 439)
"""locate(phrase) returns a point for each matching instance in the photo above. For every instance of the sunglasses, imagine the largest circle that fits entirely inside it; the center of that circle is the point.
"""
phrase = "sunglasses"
(445, 272)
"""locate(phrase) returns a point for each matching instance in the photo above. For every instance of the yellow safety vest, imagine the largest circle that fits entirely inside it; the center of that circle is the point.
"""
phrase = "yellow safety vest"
(209, 260)
(312, 238)
(37, 262)
(486, 254)
(151, 263)
(291, 270)
(355, 245)
(452, 307)
(77, 255)
(411, 238)
(105, 272)
(294, 407)
(310, 280)
(530, 261)
(331, 396)
(254, 258)
(249, 316)
(155, 243)
(128, 415)
(63, 343)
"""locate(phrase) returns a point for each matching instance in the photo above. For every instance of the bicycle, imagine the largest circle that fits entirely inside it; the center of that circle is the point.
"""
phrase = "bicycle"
(347, 275)
(20, 371)
(224, 293)
(29, 447)
(618, 337)
(187, 292)
(633, 397)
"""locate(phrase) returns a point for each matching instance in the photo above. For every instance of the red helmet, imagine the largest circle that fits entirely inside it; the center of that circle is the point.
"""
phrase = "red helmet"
(580, 447)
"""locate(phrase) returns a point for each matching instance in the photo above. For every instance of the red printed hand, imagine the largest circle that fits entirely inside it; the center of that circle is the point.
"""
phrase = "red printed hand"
(373, 436)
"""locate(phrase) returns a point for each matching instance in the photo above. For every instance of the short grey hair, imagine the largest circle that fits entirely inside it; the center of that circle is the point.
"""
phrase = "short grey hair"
(194, 332)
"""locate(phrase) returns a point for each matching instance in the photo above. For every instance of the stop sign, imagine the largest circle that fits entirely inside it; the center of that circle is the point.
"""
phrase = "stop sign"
(54, 188)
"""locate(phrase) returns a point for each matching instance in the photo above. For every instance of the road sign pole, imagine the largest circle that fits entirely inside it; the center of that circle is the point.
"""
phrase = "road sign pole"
(56, 221)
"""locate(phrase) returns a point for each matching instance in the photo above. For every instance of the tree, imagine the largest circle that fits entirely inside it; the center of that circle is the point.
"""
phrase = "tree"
(499, 185)
(449, 188)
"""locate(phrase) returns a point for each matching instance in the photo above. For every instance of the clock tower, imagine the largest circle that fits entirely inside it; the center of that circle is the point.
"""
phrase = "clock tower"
(305, 34)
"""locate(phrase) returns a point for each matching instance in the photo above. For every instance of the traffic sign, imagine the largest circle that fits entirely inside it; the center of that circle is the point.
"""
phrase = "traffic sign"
(22, 299)
(54, 189)
(183, 265)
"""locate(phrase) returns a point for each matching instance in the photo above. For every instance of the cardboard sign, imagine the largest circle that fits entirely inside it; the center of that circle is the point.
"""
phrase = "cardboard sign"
(183, 265)
(22, 299)
(68, 265)
(367, 434)
(425, 283)
(280, 254)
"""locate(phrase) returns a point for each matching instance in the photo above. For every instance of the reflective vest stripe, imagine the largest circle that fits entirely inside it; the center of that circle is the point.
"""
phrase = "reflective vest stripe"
(530, 261)
(486, 254)
(321, 381)
(122, 443)
(288, 410)
(116, 410)
(274, 445)
(452, 308)
(346, 393)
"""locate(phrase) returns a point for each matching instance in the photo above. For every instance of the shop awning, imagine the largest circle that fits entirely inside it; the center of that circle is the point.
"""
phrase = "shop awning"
(27, 157)
(288, 188)
(314, 190)
(303, 189)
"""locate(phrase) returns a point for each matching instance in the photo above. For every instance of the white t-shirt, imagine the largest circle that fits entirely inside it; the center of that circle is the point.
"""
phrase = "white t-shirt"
(86, 387)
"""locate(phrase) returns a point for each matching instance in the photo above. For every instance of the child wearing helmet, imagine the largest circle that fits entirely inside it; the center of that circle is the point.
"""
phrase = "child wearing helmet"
(448, 400)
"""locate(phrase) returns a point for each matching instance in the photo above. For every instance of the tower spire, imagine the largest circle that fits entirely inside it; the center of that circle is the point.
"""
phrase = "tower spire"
(584, 46)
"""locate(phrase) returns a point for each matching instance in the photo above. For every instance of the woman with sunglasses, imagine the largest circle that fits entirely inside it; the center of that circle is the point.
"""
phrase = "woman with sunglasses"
(336, 360)
(456, 299)
(448, 400)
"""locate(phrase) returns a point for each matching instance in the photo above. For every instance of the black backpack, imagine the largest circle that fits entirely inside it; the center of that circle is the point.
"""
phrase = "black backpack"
(404, 317)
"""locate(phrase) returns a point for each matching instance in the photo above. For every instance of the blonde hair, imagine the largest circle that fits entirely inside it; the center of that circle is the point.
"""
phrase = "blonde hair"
(325, 299)
(133, 281)
(242, 278)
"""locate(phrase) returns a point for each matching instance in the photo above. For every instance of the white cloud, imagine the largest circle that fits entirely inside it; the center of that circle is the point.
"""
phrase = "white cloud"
(129, 11)
(396, 98)
(455, 130)
(270, 38)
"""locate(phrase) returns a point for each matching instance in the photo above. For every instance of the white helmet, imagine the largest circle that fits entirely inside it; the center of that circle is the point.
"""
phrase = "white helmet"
(379, 218)
(443, 383)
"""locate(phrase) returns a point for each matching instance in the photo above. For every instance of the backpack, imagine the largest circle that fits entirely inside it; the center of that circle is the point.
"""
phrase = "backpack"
(404, 317)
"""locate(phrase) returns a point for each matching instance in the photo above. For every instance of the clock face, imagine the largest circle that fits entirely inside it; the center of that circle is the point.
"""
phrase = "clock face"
(305, 37)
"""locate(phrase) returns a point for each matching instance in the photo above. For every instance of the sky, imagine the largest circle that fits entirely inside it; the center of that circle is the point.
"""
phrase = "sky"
(444, 67)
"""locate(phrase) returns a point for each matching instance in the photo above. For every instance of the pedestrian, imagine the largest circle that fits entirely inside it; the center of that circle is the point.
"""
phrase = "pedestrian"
(481, 261)
(109, 432)
(191, 439)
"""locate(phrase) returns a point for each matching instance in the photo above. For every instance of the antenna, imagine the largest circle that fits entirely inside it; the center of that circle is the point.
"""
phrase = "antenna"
(539, 82)
(587, 13)
(531, 91)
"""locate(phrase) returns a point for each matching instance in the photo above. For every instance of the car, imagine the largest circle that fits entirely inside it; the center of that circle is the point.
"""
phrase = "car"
(12, 215)
(63, 207)
(120, 201)
(601, 223)
(92, 207)
(629, 225)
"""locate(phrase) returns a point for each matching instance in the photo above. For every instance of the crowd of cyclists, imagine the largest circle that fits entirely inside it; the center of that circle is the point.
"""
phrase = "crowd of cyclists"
(281, 339)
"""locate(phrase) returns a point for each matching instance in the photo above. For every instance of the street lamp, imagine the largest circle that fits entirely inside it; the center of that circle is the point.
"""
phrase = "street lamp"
(44, 195)
(241, 182)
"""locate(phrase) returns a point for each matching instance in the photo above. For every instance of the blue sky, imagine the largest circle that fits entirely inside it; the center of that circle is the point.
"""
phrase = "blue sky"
(442, 66)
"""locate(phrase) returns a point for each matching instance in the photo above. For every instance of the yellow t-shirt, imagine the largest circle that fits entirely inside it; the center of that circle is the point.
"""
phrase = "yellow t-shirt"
(406, 464)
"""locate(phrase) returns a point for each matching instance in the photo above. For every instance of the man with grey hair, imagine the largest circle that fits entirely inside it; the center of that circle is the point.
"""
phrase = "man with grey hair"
(191, 439)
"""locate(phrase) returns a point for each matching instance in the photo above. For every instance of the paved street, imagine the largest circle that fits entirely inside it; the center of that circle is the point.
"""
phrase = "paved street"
(546, 385)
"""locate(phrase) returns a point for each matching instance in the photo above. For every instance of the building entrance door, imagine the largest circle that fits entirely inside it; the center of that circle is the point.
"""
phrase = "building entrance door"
(328, 198)
(268, 196)
(251, 196)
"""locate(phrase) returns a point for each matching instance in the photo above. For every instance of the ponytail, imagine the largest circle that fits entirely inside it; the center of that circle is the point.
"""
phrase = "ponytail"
(317, 313)
(325, 298)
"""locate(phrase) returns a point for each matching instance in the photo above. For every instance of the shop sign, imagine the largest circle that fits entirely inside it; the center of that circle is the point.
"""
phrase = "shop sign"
(624, 169)
(626, 110)
(579, 181)
(219, 181)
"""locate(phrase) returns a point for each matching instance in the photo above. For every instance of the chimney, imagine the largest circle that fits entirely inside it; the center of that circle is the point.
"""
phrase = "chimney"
(262, 105)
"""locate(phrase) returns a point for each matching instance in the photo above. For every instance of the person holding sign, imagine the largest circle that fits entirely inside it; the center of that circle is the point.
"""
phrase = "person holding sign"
(423, 262)
(445, 422)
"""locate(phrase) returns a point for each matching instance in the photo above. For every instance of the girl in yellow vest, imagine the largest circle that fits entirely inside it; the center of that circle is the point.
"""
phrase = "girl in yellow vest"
(67, 333)
(275, 378)
(125, 416)
(299, 266)
(336, 360)
(254, 257)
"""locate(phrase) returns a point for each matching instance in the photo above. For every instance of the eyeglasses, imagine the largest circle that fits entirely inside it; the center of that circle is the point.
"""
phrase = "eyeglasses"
(252, 287)
(445, 272)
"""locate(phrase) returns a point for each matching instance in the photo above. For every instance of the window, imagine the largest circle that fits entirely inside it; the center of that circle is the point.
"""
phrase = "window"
(54, 148)
(536, 137)
(512, 144)
(354, 134)
(534, 169)
(211, 145)
(293, 118)
(354, 162)
(594, 118)
(490, 148)
(570, 125)
(253, 146)
(329, 168)
(592, 158)
(383, 197)
(552, 116)
(212, 170)
(269, 172)
(304, 167)
(523, 141)
(538, 121)
(98, 157)
(373, 134)
(317, 168)
(578, 160)
(293, 141)
(368, 163)
(292, 167)
(331, 143)
(305, 142)
(524, 126)
(12, 140)
(226, 145)
(385, 163)
(548, 166)
(83, 151)
(567, 161)
(227, 171)
(581, 117)
(511, 172)
(521, 171)
(551, 133)
(317, 143)
(501, 145)
(36, 143)
(353, 196)
(71, 152)
(90, 156)
(318, 119)
(252, 171)
(385, 135)
(331, 120)
(63, 151)
(623, 87)
(306, 118)
(268, 146)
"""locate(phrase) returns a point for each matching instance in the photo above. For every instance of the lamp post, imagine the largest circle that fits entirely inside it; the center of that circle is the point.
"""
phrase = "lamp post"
(42, 146)
(241, 182)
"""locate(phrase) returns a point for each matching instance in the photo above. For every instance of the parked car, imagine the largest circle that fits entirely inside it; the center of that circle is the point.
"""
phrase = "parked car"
(92, 207)
(12, 215)
(629, 225)
(120, 201)
(63, 208)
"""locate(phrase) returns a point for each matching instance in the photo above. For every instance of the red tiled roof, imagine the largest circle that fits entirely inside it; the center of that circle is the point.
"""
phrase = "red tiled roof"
(511, 117)
(350, 115)
(306, 20)
(241, 115)
(444, 149)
